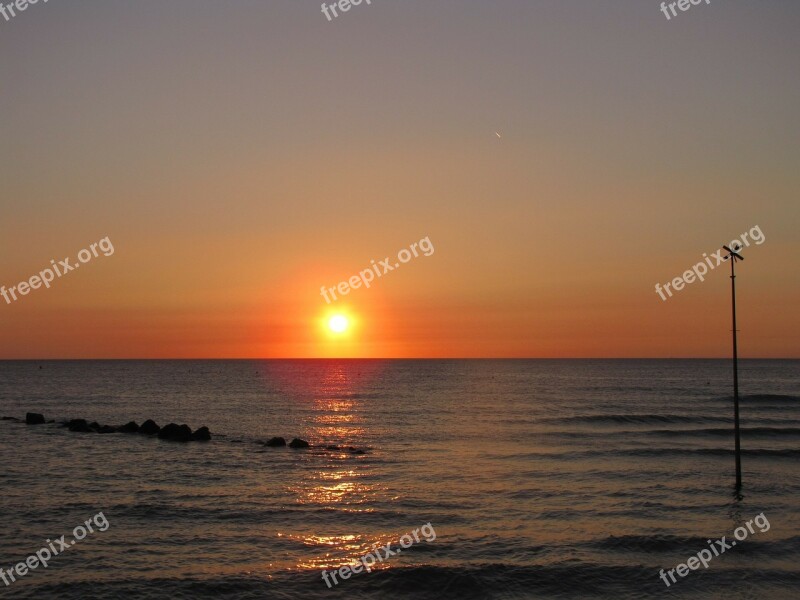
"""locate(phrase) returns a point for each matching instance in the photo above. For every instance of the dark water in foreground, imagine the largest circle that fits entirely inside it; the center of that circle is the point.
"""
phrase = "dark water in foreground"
(542, 479)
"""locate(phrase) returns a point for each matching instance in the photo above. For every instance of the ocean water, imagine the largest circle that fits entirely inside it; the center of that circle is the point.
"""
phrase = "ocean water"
(540, 478)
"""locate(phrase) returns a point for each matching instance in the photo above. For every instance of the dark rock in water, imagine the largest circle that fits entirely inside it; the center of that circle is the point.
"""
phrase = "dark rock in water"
(79, 425)
(333, 448)
(275, 442)
(202, 434)
(131, 427)
(149, 427)
(167, 431)
(15, 419)
(175, 433)
(298, 443)
(356, 450)
(34, 419)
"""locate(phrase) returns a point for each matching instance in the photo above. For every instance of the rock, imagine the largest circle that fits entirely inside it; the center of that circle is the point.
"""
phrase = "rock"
(79, 425)
(168, 431)
(356, 450)
(332, 448)
(34, 419)
(175, 433)
(202, 435)
(15, 419)
(131, 427)
(298, 443)
(149, 427)
(275, 442)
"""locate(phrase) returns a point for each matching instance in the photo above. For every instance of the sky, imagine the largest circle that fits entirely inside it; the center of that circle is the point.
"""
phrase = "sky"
(562, 157)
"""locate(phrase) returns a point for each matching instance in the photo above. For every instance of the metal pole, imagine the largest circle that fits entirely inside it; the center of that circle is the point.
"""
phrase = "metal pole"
(735, 380)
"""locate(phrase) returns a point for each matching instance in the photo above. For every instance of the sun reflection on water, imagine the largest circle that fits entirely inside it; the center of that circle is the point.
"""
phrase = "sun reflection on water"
(334, 551)
(338, 479)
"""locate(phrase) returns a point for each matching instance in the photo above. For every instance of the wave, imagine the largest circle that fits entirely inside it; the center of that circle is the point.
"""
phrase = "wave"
(726, 431)
(650, 452)
(693, 544)
(643, 419)
(573, 579)
(754, 453)
(783, 398)
(656, 419)
(780, 399)
(748, 432)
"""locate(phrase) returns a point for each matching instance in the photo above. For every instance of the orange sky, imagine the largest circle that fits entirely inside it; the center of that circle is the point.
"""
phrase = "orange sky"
(241, 157)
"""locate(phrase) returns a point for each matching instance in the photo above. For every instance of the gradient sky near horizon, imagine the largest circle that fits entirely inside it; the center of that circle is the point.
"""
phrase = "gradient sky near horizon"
(242, 154)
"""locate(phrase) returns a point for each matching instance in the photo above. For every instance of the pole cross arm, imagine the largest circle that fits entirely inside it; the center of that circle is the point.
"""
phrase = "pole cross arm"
(733, 253)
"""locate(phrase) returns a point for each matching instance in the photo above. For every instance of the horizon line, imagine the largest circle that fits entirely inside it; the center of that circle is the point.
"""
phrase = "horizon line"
(411, 358)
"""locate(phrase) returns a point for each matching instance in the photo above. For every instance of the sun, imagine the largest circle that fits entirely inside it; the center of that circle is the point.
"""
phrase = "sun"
(338, 323)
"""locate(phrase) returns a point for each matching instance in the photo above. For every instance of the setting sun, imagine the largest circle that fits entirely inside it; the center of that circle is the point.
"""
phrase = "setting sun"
(338, 324)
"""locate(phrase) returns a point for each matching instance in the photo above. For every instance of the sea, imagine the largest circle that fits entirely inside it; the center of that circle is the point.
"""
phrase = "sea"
(532, 479)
